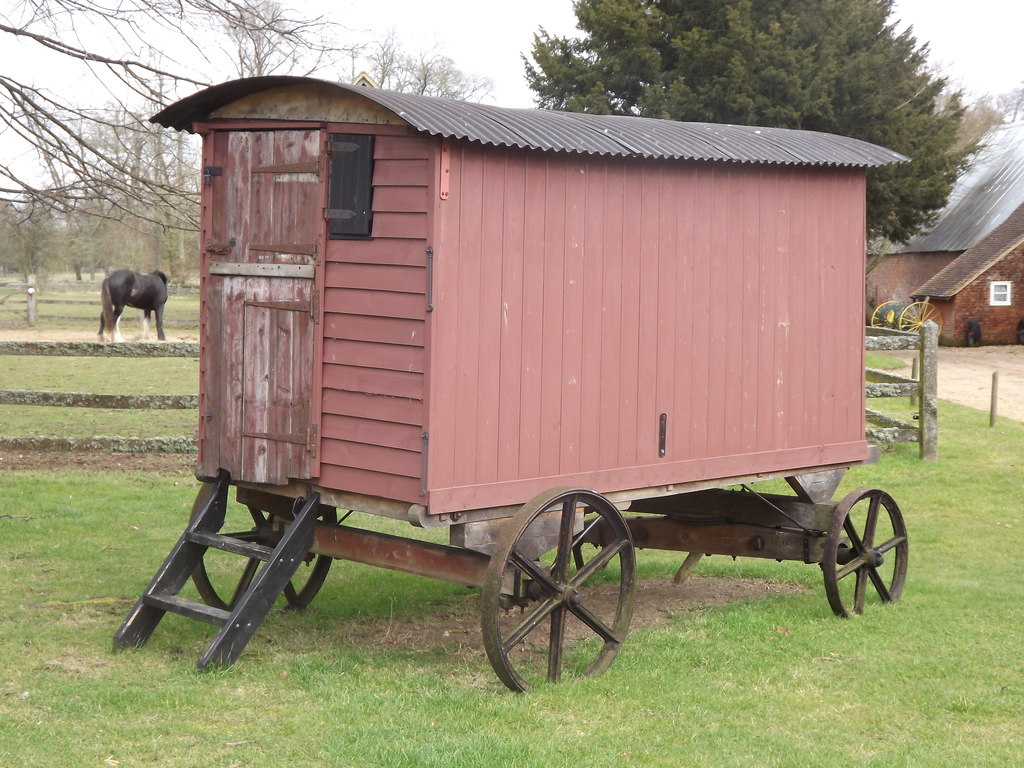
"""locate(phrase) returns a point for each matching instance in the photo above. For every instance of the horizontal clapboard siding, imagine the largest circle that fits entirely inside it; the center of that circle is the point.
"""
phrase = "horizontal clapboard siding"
(374, 335)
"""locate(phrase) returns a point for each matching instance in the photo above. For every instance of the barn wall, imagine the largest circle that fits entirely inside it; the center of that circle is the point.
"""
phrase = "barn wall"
(578, 299)
(898, 276)
(998, 324)
(374, 333)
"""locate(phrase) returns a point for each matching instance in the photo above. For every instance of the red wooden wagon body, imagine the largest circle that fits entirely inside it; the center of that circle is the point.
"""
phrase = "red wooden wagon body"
(436, 310)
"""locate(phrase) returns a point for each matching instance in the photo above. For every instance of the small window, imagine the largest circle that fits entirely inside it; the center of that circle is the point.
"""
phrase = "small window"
(999, 293)
(349, 211)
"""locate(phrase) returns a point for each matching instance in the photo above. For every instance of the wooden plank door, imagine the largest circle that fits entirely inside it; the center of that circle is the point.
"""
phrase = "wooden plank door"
(262, 238)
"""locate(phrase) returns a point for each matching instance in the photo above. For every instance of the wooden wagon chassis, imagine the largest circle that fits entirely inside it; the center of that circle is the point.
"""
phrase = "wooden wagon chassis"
(533, 567)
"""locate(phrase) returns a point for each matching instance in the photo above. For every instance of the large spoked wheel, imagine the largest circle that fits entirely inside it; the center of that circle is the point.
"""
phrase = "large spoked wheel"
(565, 613)
(865, 556)
(885, 315)
(917, 314)
(221, 577)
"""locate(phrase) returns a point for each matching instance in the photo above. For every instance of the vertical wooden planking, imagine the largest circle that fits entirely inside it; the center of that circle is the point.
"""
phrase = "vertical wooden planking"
(531, 391)
(610, 232)
(733, 364)
(467, 371)
(784, 308)
(630, 298)
(684, 405)
(666, 298)
(489, 317)
(593, 309)
(443, 350)
(751, 340)
(646, 372)
(571, 372)
(701, 332)
(514, 254)
(719, 308)
(767, 234)
(549, 442)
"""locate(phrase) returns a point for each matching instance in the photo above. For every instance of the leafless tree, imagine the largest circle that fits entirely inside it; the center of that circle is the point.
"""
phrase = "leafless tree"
(110, 161)
(427, 72)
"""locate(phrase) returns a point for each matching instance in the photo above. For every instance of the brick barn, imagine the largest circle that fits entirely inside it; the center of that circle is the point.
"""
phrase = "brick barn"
(969, 265)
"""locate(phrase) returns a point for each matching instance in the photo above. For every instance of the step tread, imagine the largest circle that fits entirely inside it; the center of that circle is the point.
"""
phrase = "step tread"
(231, 544)
(189, 608)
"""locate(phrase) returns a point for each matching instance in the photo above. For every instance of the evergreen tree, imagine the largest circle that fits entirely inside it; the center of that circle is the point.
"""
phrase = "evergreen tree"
(838, 66)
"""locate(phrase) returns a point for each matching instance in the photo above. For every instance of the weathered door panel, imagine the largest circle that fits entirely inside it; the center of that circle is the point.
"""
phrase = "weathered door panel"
(261, 280)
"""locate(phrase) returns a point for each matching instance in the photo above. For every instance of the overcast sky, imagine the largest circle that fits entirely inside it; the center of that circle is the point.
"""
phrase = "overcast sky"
(978, 43)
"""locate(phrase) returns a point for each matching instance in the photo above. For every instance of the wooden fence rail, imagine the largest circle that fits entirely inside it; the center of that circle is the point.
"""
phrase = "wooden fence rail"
(115, 444)
(101, 349)
(885, 428)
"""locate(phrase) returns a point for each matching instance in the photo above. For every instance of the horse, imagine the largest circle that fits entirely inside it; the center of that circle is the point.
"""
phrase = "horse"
(123, 288)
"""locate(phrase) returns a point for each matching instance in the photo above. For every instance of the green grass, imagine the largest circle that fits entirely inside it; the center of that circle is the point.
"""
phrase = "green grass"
(100, 375)
(935, 680)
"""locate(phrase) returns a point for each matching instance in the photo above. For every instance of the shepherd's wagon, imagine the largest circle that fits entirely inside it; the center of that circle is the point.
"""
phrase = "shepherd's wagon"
(560, 336)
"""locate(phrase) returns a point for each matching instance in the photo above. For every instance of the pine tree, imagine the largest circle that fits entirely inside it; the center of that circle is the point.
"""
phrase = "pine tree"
(839, 66)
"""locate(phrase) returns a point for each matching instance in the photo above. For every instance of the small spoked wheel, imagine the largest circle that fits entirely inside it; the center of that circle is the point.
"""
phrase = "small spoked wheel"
(221, 577)
(865, 556)
(553, 606)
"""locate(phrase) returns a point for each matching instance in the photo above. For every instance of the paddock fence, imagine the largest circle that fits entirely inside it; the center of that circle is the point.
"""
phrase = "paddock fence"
(922, 428)
(110, 444)
(27, 303)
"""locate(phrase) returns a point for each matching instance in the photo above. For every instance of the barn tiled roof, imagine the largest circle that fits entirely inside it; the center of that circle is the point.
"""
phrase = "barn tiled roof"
(983, 197)
(567, 131)
(973, 262)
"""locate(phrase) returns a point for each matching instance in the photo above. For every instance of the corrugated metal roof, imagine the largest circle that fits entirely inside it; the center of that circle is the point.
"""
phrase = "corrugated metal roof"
(567, 131)
(973, 262)
(983, 197)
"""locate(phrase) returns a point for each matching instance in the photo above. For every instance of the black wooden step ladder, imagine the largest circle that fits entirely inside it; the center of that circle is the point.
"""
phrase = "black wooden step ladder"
(239, 624)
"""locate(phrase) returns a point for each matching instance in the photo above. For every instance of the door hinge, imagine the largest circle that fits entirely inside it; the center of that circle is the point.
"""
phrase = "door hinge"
(311, 440)
(430, 278)
(209, 171)
(423, 466)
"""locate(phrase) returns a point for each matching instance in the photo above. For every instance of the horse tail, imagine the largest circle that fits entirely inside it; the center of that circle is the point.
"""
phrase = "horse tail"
(107, 311)
(161, 275)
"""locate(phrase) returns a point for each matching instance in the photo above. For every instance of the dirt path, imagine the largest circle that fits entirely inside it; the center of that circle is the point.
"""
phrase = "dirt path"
(965, 377)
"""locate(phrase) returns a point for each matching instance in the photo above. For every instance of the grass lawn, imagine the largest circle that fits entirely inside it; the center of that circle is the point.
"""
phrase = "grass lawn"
(934, 680)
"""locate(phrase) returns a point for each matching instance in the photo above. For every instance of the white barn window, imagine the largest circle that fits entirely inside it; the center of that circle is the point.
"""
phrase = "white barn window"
(999, 293)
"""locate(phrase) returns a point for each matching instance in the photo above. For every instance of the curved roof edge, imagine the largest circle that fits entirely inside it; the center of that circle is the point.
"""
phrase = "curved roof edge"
(548, 130)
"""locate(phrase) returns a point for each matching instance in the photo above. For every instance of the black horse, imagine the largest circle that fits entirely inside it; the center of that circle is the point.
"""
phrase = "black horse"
(123, 288)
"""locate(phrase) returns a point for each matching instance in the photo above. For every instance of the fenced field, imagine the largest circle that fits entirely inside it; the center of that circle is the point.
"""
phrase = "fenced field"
(388, 669)
(73, 310)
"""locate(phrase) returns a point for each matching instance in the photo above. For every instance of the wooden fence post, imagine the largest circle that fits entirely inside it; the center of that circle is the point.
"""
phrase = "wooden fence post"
(928, 410)
(994, 405)
(31, 300)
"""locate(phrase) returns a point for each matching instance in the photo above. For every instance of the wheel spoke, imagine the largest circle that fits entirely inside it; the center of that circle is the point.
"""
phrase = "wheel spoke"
(535, 572)
(892, 543)
(555, 644)
(871, 523)
(853, 535)
(854, 566)
(563, 551)
(860, 590)
(601, 629)
(530, 623)
(880, 586)
(599, 561)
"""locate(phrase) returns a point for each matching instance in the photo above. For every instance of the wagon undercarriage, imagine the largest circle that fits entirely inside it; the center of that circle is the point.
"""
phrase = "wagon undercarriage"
(557, 579)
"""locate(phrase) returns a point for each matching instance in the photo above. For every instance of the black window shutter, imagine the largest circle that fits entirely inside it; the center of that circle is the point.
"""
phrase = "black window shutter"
(350, 198)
